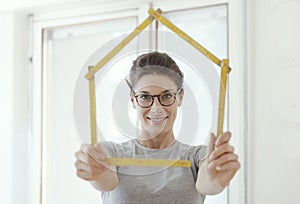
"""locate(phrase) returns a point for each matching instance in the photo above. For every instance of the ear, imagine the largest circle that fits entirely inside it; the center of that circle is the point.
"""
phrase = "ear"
(180, 97)
(132, 100)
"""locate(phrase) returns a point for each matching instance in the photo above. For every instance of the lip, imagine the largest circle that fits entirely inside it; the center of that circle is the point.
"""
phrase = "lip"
(157, 120)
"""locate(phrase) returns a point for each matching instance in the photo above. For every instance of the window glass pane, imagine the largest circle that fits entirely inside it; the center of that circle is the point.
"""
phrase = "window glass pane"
(208, 26)
(67, 51)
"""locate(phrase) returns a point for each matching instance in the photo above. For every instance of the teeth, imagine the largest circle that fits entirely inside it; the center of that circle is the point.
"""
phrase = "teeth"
(157, 119)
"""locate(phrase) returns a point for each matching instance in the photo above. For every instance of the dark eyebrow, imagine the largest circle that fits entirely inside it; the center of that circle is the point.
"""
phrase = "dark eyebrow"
(146, 92)
(166, 91)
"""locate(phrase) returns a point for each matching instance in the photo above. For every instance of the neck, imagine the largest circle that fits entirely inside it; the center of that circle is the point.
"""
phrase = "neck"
(160, 141)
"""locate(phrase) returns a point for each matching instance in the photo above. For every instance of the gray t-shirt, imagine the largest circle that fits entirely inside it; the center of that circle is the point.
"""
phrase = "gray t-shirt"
(157, 185)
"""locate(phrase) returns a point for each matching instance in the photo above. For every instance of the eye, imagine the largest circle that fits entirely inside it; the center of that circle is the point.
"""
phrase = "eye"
(166, 96)
(145, 97)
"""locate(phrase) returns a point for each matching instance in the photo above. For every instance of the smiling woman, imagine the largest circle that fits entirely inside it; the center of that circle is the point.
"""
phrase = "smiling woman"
(156, 93)
(152, 76)
(156, 84)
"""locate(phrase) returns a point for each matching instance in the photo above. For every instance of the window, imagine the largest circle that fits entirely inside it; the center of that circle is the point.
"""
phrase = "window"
(68, 40)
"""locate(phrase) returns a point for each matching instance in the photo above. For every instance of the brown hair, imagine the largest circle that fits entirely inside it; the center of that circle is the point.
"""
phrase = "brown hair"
(155, 63)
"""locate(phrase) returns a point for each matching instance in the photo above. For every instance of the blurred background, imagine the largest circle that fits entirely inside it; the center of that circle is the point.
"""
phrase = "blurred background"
(44, 46)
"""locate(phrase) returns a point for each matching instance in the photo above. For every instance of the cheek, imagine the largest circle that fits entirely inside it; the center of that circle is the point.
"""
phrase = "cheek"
(172, 111)
(141, 112)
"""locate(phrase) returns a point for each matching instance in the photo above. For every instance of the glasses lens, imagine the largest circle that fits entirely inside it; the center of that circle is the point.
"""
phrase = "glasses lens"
(144, 100)
(167, 99)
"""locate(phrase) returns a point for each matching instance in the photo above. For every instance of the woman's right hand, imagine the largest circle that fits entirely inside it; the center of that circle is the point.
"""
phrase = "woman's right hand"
(91, 166)
(90, 162)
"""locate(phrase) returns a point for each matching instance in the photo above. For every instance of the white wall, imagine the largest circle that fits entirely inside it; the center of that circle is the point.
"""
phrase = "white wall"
(21, 135)
(14, 133)
(274, 101)
(6, 107)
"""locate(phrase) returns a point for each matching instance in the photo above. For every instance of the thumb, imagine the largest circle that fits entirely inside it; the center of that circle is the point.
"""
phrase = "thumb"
(211, 144)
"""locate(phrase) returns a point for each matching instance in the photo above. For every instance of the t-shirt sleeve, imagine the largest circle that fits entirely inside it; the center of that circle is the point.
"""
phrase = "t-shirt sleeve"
(197, 153)
(110, 148)
(200, 154)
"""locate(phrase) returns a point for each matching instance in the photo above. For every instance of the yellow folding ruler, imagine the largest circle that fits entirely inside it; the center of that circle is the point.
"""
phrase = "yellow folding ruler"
(225, 69)
(148, 162)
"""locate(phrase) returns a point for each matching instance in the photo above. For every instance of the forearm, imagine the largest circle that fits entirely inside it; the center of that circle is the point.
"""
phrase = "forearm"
(107, 181)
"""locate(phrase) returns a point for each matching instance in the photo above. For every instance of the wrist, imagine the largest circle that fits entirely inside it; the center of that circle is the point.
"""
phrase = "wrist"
(206, 183)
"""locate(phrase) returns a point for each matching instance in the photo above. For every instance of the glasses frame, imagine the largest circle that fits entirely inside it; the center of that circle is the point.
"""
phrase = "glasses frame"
(152, 97)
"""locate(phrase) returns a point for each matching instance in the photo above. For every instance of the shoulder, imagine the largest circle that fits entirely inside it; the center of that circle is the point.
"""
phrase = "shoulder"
(198, 150)
(193, 150)
(195, 153)
(116, 149)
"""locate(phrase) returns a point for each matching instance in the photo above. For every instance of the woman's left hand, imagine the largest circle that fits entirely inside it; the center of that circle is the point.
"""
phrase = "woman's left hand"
(219, 167)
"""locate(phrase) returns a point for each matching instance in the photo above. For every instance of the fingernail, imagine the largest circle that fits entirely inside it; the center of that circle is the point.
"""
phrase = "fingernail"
(218, 168)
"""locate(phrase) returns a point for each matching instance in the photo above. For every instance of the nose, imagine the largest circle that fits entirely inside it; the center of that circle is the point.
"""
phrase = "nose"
(156, 108)
(156, 102)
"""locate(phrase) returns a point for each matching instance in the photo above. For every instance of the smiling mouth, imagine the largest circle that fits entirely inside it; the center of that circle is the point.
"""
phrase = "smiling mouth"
(157, 120)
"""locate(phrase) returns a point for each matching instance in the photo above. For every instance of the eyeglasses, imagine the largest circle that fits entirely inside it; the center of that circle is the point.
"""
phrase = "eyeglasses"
(147, 100)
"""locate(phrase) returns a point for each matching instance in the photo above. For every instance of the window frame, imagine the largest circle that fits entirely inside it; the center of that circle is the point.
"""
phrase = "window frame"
(41, 20)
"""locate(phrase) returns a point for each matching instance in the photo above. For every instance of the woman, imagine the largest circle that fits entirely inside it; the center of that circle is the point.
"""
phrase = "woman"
(156, 93)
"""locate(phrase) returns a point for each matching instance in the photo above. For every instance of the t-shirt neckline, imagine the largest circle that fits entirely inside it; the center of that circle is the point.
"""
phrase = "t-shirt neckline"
(153, 149)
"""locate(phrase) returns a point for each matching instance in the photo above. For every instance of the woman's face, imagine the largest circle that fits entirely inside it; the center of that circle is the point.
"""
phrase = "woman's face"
(157, 119)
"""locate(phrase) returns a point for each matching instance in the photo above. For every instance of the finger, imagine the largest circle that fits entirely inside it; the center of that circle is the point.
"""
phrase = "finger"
(84, 175)
(233, 166)
(223, 149)
(90, 150)
(224, 138)
(224, 159)
(84, 147)
(88, 159)
(92, 169)
(98, 148)
(81, 156)
(211, 144)
(97, 153)
(99, 156)
(80, 166)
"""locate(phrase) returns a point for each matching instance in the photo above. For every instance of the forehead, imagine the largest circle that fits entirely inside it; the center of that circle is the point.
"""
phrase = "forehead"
(154, 83)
